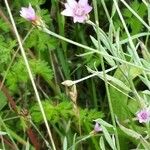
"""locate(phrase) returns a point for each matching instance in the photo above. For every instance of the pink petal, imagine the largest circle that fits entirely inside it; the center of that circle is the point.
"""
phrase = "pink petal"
(67, 12)
(87, 9)
(72, 3)
(83, 2)
(31, 10)
(97, 127)
(79, 19)
(28, 13)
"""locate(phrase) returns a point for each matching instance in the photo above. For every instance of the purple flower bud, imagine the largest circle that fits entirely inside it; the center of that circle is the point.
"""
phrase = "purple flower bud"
(97, 127)
(78, 10)
(143, 115)
(28, 13)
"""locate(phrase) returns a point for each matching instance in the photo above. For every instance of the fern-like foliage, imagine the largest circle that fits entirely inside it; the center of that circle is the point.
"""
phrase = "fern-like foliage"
(4, 26)
(87, 115)
(64, 111)
(19, 76)
(134, 25)
(53, 113)
(40, 41)
(6, 47)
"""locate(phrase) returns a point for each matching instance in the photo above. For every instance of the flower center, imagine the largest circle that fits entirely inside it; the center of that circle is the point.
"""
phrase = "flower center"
(79, 11)
(144, 116)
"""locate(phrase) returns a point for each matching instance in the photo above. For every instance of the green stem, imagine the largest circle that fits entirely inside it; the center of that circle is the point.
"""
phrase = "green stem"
(93, 50)
(13, 58)
(30, 74)
(10, 134)
(137, 59)
(104, 74)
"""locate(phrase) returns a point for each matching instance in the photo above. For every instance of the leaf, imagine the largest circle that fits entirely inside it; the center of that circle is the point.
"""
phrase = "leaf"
(65, 143)
(133, 106)
(18, 75)
(86, 115)
(104, 123)
(40, 67)
(129, 132)
(6, 47)
(35, 2)
(111, 79)
(53, 113)
(145, 144)
(27, 145)
(109, 60)
(3, 100)
(119, 100)
(4, 26)
(2, 133)
(74, 141)
(40, 41)
(108, 138)
(102, 144)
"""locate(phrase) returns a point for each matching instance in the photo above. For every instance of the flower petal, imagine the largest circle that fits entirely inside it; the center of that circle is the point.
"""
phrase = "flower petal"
(87, 9)
(31, 10)
(79, 19)
(67, 12)
(83, 2)
(72, 3)
(28, 13)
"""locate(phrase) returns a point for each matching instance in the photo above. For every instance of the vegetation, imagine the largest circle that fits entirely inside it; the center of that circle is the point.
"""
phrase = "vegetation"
(77, 82)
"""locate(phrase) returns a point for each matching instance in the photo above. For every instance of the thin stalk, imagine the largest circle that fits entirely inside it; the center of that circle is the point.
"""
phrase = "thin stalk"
(3, 145)
(94, 50)
(8, 133)
(46, 142)
(148, 13)
(131, 43)
(107, 14)
(30, 74)
(13, 58)
(94, 96)
(62, 55)
(135, 14)
(130, 40)
(104, 74)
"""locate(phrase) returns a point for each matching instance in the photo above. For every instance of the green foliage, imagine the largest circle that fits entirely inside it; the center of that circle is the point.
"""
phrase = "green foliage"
(35, 2)
(88, 115)
(41, 68)
(3, 100)
(62, 111)
(119, 99)
(3, 26)
(19, 76)
(6, 47)
(54, 113)
(134, 25)
(40, 41)
(127, 90)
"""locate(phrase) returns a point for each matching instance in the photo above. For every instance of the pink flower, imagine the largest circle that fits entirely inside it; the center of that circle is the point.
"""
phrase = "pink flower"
(97, 127)
(143, 115)
(28, 13)
(78, 10)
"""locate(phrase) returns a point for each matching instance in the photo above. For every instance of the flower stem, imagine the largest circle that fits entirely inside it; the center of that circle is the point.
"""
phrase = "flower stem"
(30, 74)
(104, 74)
(92, 49)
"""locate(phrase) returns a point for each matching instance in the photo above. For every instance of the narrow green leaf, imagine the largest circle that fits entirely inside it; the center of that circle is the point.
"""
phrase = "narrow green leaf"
(104, 123)
(65, 143)
(2, 133)
(108, 138)
(101, 143)
(129, 132)
(27, 146)
(3, 100)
